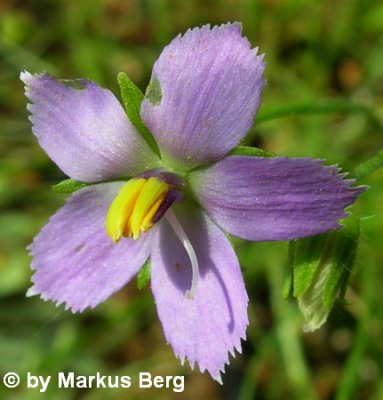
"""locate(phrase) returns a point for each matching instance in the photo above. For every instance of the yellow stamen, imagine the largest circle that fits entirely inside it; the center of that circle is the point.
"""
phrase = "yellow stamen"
(151, 192)
(131, 212)
(122, 207)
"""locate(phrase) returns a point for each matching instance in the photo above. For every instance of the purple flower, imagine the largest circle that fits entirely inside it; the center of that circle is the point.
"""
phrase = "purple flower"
(204, 93)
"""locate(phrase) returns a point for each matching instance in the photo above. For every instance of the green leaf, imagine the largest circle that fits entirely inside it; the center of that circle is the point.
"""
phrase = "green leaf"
(251, 151)
(69, 186)
(132, 98)
(143, 276)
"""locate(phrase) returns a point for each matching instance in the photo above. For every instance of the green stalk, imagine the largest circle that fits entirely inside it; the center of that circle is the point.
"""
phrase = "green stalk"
(17, 56)
(369, 166)
(288, 332)
(350, 380)
(253, 370)
(318, 107)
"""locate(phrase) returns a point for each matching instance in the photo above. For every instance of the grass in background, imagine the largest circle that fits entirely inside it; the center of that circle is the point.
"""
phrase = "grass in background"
(323, 99)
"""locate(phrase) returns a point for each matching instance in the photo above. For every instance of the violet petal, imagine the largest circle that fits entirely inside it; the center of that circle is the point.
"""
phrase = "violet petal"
(75, 262)
(204, 92)
(273, 198)
(208, 327)
(85, 130)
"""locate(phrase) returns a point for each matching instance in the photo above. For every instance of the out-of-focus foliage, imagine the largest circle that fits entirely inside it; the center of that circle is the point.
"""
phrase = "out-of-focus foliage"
(323, 99)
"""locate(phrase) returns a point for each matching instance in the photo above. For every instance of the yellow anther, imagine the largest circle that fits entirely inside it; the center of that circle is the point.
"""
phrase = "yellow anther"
(122, 207)
(133, 209)
(147, 221)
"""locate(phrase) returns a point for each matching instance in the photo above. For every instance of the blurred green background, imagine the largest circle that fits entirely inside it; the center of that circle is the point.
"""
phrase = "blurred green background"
(323, 98)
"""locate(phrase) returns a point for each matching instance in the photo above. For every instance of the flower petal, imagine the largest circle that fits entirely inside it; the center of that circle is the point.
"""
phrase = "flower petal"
(273, 198)
(75, 262)
(204, 92)
(84, 129)
(209, 326)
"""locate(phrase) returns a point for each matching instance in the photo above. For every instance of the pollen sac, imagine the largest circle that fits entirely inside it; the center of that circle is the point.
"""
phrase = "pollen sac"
(139, 205)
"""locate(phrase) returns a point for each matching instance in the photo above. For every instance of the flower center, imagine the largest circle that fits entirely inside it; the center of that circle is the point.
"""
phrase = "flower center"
(140, 203)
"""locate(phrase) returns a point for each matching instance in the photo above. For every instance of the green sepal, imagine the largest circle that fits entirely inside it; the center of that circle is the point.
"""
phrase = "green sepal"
(322, 267)
(143, 276)
(308, 254)
(311, 302)
(69, 186)
(251, 151)
(345, 246)
(132, 98)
